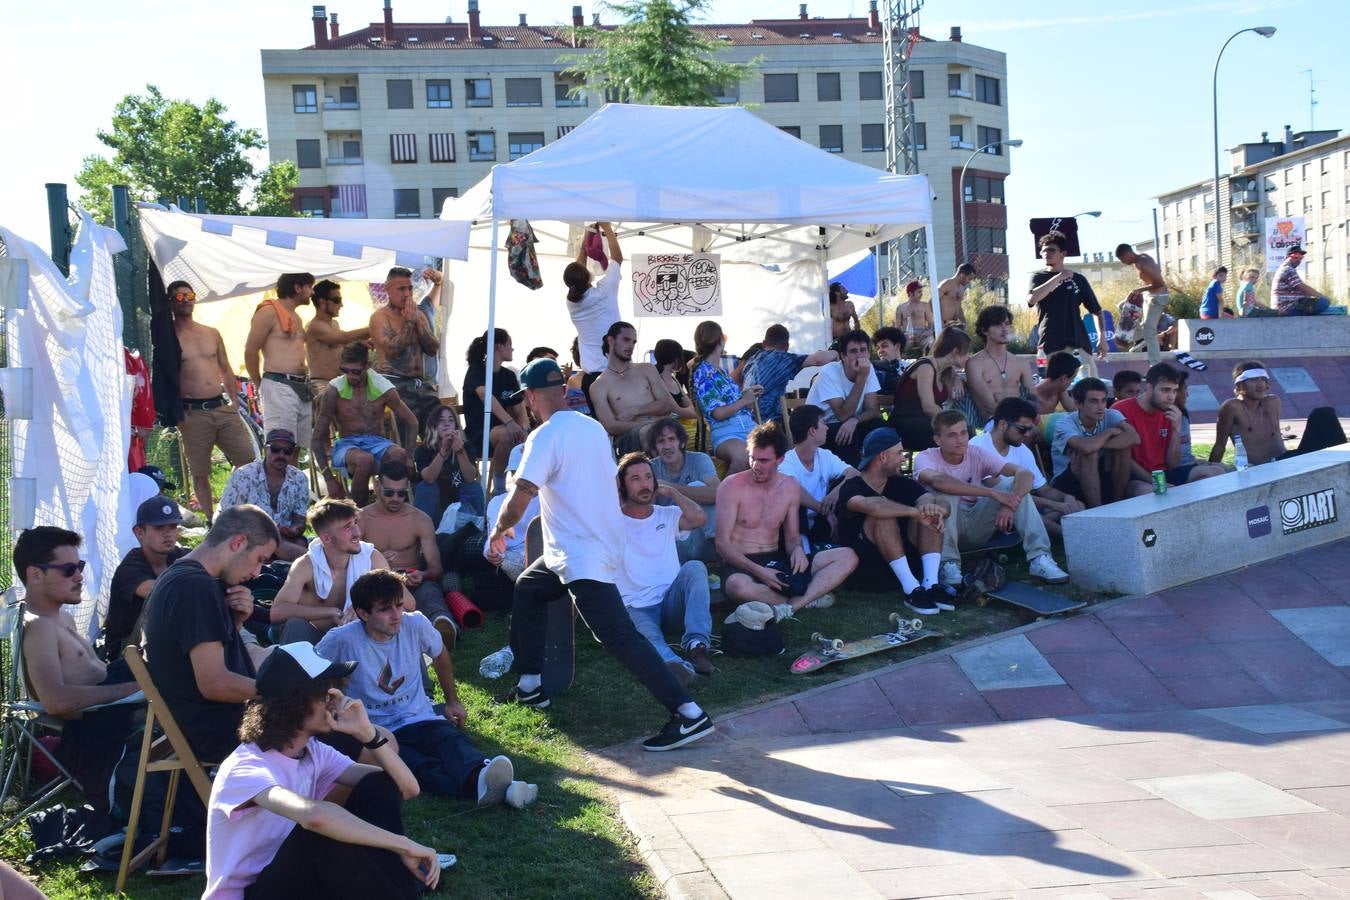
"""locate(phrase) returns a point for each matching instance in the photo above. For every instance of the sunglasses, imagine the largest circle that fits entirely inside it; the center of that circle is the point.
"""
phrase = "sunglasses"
(1023, 429)
(67, 570)
(390, 492)
(282, 449)
(184, 297)
(334, 300)
(352, 372)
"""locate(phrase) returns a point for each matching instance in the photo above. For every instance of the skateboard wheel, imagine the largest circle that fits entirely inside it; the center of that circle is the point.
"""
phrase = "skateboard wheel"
(837, 644)
(895, 618)
(817, 636)
(916, 624)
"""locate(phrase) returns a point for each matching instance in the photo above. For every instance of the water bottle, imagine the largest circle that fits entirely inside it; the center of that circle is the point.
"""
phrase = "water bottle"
(495, 665)
(1239, 453)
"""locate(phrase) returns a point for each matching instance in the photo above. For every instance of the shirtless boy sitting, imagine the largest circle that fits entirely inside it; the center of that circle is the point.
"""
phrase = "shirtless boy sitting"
(1253, 414)
(995, 373)
(952, 294)
(1053, 390)
(757, 512)
(628, 397)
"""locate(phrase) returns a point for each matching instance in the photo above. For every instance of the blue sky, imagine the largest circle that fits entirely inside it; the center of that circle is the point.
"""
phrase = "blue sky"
(1112, 101)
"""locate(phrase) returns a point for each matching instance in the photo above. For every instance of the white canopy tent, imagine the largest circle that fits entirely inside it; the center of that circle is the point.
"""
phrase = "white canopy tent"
(677, 179)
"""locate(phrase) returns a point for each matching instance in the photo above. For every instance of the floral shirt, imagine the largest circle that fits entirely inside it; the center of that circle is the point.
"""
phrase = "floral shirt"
(248, 484)
(715, 388)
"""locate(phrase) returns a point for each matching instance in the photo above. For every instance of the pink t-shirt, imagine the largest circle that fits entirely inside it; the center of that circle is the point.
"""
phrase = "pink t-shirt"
(978, 465)
(241, 837)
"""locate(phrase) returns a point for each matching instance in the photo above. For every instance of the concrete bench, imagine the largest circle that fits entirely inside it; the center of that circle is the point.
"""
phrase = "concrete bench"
(1265, 336)
(1146, 544)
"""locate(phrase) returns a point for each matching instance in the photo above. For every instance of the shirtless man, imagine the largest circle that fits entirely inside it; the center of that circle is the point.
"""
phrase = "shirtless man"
(283, 382)
(357, 404)
(843, 315)
(628, 397)
(995, 373)
(323, 339)
(1154, 291)
(758, 508)
(952, 294)
(401, 335)
(207, 385)
(915, 318)
(406, 537)
(1253, 414)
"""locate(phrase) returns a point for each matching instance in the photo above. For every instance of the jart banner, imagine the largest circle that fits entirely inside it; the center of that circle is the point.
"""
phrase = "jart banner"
(677, 284)
(1281, 234)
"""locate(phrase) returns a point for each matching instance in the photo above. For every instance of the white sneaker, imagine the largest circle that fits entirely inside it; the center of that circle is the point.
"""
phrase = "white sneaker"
(824, 601)
(521, 795)
(950, 573)
(494, 779)
(1044, 568)
(782, 611)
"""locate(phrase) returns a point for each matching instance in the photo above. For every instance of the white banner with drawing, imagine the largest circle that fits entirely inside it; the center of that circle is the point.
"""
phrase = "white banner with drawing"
(677, 284)
(1281, 234)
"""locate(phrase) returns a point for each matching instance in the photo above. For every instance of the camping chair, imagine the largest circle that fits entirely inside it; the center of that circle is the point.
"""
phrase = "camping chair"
(170, 753)
(786, 405)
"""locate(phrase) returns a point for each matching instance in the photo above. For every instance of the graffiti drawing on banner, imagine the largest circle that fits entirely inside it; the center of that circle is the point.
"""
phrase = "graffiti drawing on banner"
(1282, 233)
(677, 284)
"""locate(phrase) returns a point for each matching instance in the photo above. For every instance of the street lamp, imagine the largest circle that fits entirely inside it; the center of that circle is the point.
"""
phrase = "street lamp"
(1265, 31)
(1096, 214)
(1017, 142)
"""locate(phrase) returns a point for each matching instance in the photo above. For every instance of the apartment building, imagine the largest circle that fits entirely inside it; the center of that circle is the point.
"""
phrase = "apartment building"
(390, 120)
(1305, 174)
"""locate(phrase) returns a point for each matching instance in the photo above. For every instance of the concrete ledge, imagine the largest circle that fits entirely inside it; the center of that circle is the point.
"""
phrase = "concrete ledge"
(1146, 544)
(1266, 335)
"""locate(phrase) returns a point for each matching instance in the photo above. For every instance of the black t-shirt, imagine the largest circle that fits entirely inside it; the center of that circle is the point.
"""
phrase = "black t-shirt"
(899, 489)
(504, 384)
(1060, 323)
(450, 478)
(124, 607)
(187, 608)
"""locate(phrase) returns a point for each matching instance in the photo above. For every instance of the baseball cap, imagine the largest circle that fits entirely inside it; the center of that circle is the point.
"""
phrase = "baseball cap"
(542, 373)
(161, 479)
(291, 667)
(877, 442)
(1296, 249)
(285, 435)
(158, 510)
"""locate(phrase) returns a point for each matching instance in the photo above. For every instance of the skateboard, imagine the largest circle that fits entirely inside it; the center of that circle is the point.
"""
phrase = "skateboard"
(833, 650)
(1032, 599)
(559, 666)
(997, 546)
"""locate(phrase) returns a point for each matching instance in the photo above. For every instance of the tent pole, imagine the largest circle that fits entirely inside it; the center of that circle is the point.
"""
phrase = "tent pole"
(485, 462)
(876, 286)
(933, 281)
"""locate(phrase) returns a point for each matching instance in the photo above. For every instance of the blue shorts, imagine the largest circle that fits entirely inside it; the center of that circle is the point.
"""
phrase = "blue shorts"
(733, 427)
(373, 444)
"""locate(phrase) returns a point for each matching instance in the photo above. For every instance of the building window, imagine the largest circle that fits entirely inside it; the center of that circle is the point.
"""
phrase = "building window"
(439, 196)
(794, 130)
(832, 138)
(407, 203)
(1288, 208)
(344, 153)
(726, 94)
(990, 136)
(780, 88)
(1307, 205)
(1195, 263)
(1288, 176)
(524, 92)
(954, 88)
(399, 93)
(1178, 238)
(441, 147)
(438, 95)
(307, 154)
(351, 150)
(956, 136)
(562, 93)
(827, 87)
(988, 240)
(305, 97)
(478, 92)
(520, 143)
(1190, 204)
(347, 97)
(1326, 199)
(873, 138)
(1209, 231)
(482, 146)
(1326, 164)
(1326, 233)
(1167, 241)
(920, 135)
(916, 84)
(403, 148)
(981, 189)
(1307, 170)
(312, 207)
(870, 86)
(1192, 234)
(987, 90)
(1209, 202)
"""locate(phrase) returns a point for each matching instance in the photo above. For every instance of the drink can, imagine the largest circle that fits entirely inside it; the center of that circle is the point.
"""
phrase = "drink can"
(1159, 481)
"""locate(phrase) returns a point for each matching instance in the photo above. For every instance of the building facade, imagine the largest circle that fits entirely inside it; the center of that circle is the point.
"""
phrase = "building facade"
(391, 120)
(1305, 174)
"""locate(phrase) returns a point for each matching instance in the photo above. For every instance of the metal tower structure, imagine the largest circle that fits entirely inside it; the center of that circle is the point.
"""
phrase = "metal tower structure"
(900, 32)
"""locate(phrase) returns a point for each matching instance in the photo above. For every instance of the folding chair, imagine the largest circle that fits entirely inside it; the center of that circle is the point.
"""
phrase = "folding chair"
(786, 405)
(170, 753)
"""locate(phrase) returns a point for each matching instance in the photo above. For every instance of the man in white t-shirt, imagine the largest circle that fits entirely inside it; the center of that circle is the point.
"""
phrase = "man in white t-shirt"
(271, 832)
(569, 464)
(847, 391)
(816, 470)
(593, 307)
(1014, 423)
(658, 591)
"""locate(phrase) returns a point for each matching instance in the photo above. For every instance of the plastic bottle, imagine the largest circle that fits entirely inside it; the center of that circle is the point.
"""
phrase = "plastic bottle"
(1239, 453)
(495, 665)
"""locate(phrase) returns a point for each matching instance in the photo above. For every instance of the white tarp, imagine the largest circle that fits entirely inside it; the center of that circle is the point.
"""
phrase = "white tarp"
(75, 446)
(227, 256)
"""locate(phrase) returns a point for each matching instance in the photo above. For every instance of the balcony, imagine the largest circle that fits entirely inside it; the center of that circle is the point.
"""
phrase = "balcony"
(960, 144)
(341, 116)
(1247, 229)
(1243, 199)
(345, 160)
(960, 93)
(330, 103)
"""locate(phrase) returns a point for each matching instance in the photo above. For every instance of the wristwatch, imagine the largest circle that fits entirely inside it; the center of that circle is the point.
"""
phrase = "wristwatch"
(376, 742)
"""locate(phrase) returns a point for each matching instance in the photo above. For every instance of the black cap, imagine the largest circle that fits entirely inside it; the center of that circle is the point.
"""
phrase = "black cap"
(158, 511)
(161, 479)
(541, 373)
(877, 442)
(1295, 249)
(284, 435)
(291, 667)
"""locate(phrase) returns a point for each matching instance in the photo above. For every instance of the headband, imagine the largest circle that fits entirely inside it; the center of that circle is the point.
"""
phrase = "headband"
(1247, 374)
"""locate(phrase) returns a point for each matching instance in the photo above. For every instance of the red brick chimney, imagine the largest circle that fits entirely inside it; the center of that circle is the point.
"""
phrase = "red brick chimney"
(801, 12)
(475, 27)
(389, 21)
(332, 27)
(320, 32)
(873, 17)
(578, 20)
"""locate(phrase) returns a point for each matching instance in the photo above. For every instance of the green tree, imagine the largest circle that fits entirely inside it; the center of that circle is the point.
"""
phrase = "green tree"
(174, 148)
(655, 56)
(272, 194)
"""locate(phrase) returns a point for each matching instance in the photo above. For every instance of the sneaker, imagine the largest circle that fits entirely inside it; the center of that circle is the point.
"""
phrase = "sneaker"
(535, 699)
(950, 573)
(921, 602)
(699, 659)
(681, 670)
(448, 630)
(678, 732)
(942, 597)
(782, 611)
(824, 601)
(520, 795)
(1044, 568)
(493, 781)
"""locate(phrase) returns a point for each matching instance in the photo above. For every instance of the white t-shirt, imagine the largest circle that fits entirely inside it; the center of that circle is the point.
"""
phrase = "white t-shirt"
(570, 459)
(1018, 456)
(242, 838)
(592, 315)
(826, 467)
(831, 384)
(494, 509)
(650, 562)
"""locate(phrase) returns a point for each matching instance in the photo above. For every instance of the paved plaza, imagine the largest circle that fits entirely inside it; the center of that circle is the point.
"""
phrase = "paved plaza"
(1193, 743)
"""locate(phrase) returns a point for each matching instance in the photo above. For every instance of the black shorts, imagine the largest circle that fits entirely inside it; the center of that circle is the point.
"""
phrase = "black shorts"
(873, 573)
(1068, 482)
(1180, 475)
(796, 585)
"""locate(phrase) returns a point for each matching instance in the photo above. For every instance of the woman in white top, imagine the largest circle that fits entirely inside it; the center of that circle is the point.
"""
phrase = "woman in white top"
(593, 307)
